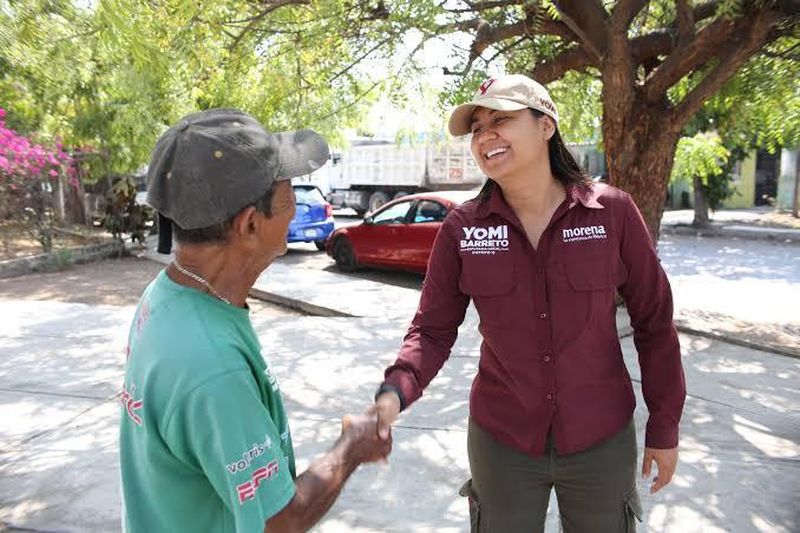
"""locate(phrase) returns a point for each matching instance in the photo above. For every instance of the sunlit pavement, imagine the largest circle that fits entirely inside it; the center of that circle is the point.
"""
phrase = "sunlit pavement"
(61, 364)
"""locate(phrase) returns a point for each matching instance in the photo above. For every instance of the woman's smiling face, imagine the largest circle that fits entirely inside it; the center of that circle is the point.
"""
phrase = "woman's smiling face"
(506, 143)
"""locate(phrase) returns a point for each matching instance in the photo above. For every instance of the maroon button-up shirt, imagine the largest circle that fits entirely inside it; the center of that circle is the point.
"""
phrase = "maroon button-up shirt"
(550, 357)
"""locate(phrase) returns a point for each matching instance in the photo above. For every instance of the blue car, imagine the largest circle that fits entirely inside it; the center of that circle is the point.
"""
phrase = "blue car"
(313, 221)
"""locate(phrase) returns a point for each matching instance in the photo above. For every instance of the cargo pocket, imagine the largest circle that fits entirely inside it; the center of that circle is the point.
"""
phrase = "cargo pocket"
(581, 295)
(474, 507)
(633, 510)
(492, 291)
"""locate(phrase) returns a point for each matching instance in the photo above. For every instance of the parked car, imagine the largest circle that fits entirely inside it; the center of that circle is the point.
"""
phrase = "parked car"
(399, 235)
(313, 221)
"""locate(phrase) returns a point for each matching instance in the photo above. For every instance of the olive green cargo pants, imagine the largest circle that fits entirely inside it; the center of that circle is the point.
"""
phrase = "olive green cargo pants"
(596, 489)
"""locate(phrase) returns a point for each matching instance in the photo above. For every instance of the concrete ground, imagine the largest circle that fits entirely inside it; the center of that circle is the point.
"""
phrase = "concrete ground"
(762, 216)
(61, 364)
(761, 223)
(99, 284)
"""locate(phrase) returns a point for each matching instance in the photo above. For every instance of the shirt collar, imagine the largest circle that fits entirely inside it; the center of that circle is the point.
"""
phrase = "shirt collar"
(496, 202)
(587, 195)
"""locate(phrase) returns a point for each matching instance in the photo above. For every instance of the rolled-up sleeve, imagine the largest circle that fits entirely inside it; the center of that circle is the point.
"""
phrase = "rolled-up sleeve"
(648, 298)
(434, 329)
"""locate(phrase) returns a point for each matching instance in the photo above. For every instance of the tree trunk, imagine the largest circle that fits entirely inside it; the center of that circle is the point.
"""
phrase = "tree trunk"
(796, 195)
(639, 153)
(701, 219)
(74, 205)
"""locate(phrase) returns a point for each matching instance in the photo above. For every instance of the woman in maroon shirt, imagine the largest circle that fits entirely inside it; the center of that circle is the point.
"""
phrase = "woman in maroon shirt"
(542, 252)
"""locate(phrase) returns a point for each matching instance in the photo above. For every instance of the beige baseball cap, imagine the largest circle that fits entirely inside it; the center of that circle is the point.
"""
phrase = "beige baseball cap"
(503, 93)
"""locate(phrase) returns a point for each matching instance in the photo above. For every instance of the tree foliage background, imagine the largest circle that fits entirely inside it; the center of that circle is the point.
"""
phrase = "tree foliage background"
(635, 76)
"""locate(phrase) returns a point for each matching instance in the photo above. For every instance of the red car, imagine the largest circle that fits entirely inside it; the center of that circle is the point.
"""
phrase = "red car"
(399, 235)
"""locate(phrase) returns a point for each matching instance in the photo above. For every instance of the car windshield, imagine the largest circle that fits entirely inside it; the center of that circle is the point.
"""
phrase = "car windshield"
(394, 214)
(308, 195)
(430, 211)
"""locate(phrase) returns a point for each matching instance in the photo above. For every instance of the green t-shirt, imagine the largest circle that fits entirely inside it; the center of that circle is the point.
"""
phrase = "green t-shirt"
(204, 438)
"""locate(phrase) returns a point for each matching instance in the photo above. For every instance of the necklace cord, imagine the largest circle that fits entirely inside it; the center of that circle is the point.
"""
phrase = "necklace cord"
(200, 280)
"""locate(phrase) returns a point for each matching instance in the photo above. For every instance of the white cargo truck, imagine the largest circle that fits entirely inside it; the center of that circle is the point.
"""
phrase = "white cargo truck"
(367, 175)
(373, 174)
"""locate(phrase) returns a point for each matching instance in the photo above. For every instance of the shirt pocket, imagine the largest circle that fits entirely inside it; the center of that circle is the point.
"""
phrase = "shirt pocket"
(581, 293)
(491, 287)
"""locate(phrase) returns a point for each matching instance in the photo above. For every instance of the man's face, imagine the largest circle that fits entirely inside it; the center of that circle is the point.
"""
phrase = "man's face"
(272, 231)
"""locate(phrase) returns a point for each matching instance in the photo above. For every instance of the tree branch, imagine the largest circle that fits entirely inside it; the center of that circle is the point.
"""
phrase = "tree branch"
(359, 59)
(740, 47)
(691, 56)
(642, 48)
(685, 20)
(391, 90)
(87, 33)
(487, 35)
(576, 58)
(508, 48)
(625, 11)
(484, 6)
(785, 54)
(270, 6)
(494, 34)
(587, 19)
(651, 46)
(348, 105)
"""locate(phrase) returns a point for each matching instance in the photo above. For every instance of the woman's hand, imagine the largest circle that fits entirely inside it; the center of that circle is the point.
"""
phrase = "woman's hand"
(666, 461)
(387, 407)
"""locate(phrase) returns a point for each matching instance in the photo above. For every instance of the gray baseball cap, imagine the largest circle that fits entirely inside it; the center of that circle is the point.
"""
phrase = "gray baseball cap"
(214, 163)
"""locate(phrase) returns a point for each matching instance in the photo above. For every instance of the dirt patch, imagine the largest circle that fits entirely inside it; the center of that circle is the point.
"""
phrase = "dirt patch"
(16, 241)
(110, 282)
(778, 337)
(777, 219)
(766, 219)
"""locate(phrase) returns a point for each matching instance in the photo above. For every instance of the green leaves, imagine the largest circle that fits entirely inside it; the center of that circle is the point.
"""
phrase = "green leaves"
(701, 155)
(115, 75)
(579, 99)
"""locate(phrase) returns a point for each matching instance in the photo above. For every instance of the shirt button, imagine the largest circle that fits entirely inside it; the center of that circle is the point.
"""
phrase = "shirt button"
(546, 358)
(549, 396)
(542, 315)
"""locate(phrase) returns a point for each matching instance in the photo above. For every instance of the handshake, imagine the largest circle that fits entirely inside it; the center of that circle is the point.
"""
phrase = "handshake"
(368, 437)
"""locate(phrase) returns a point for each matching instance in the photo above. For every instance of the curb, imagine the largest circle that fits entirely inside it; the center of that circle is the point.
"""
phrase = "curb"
(738, 341)
(327, 312)
(60, 258)
(259, 294)
(792, 237)
(298, 305)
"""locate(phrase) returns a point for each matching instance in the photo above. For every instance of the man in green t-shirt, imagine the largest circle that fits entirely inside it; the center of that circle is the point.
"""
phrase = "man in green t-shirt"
(204, 438)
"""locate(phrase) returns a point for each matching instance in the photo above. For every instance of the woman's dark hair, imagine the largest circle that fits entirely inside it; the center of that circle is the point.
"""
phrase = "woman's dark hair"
(565, 168)
(219, 232)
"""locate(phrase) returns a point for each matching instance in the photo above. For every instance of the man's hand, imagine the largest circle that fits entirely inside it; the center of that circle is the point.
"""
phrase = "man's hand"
(666, 460)
(387, 407)
(317, 488)
(361, 437)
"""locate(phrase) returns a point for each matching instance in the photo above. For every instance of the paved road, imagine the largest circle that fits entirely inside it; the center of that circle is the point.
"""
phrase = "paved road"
(719, 276)
(61, 363)
(731, 276)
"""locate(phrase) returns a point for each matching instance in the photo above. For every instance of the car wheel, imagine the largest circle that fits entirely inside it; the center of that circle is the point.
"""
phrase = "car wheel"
(377, 199)
(344, 256)
(320, 245)
(399, 194)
